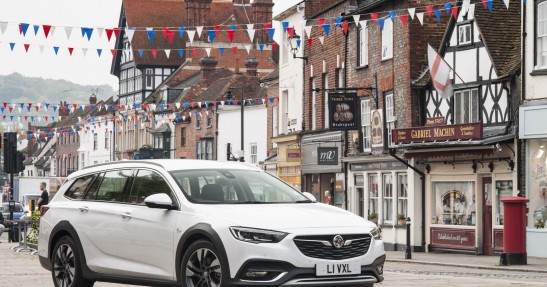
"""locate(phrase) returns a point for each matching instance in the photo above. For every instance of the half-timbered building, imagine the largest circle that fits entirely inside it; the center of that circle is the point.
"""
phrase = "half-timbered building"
(465, 142)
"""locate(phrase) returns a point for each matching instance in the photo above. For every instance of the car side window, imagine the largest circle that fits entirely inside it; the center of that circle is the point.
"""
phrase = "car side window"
(92, 190)
(77, 189)
(146, 183)
(113, 184)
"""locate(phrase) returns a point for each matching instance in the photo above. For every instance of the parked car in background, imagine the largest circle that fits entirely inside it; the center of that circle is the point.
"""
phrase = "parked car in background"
(201, 223)
(18, 211)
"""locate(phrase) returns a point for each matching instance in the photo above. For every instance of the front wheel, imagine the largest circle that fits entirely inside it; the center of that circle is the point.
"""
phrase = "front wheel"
(66, 265)
(201, 265)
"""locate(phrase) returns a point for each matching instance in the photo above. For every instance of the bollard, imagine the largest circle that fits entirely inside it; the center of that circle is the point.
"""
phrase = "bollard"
(408, 253)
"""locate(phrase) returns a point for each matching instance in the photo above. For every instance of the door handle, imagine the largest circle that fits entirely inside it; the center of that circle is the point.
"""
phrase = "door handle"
(126, 215)
(84, 209)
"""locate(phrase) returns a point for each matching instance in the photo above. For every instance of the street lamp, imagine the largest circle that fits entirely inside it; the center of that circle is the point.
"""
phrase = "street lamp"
(229, 97)
(295, 46)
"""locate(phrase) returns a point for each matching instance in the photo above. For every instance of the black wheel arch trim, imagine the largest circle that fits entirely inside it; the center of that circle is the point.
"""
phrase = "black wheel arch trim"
(202, 230)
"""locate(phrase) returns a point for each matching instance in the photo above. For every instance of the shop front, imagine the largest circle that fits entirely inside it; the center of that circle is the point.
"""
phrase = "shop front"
(289, 159)
(466, 176)
(322, 173)
(534, 131)
(379, 191)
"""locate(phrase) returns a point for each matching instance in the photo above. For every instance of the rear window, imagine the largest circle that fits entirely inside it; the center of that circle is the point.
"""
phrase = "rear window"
(78, 188)
(18, 208)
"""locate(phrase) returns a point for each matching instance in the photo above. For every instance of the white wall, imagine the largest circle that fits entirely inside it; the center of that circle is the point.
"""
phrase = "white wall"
(535, 85)
(291, 78)
(102, 154)
(255, 131)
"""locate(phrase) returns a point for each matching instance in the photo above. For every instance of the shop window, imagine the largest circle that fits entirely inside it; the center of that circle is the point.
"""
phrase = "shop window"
(387, 186)
(402, 195)
(537, 181)
(454, 203)
(373, 195)
(504, 188)
(365, 124)
(466, 106)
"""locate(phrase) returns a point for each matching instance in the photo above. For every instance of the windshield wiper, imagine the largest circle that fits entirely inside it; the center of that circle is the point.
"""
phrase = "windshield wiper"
(303, 201)
(249, 202)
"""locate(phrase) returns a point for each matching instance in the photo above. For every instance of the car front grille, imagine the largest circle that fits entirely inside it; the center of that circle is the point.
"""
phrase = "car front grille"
(321, 246)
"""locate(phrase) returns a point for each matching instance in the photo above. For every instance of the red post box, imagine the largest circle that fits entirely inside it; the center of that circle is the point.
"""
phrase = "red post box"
(514, 231)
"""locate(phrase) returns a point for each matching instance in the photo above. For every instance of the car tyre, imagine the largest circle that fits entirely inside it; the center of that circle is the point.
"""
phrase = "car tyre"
(202, 265)
(66, 268)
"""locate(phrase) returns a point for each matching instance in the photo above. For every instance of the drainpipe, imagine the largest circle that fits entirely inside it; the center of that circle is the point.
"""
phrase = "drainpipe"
(523, 93)
(392, 152)
(346, 145)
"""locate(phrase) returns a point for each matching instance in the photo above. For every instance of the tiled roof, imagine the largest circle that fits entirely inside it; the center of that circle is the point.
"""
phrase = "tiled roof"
(249, 86)
(271, 76)
(500, 31)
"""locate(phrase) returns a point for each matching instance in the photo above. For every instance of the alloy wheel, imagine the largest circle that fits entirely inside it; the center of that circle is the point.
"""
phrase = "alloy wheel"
(64, 266)
(203, 269)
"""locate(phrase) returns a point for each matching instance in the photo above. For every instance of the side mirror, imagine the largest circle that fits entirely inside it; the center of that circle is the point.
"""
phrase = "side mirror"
(160, 201)
(310, 196)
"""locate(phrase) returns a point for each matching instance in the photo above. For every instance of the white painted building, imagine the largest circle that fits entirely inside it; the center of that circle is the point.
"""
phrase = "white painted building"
(96, 142)
(255, 132)
(532, 130)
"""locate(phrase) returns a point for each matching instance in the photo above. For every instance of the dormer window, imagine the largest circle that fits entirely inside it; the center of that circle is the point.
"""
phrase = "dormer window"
(465, 36)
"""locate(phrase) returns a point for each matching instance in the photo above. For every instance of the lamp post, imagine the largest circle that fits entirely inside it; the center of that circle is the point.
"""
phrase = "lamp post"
(229, 96)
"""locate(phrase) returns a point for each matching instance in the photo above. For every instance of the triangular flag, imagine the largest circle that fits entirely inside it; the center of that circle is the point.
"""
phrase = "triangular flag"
(211, 34)
(307, 30)
(374, 17)
(231, 34)
(447, 7)
(191, 34)
(321, 21)
(248, 48)
(489, 5)
(181, 53)
(411, 11)
(194, 52)
(356, 19)
(285, 25)
(271, 32)
(46, 29)
(345, 27)
(151, 33)
(116, 32)
(167, 53)
(455, 12)
(70, 50)
(3, 26)
(170, 36)
(208, 51)
(154, 53)
(109, 33)
(36, 29)
(199, 29)
(420, 17)
(321, 39)
(274, 46)
(392, 15)
(26, 47)
(403, 18)
(221, 50)
(234, 49)
(429, 10)
(181, 31)
(41, 49)
(23, 27)
(113, 52)
(338, 21)
(130, 32)
(310, 41)
(84, 51)
(298, 42)
(261, 47)
(140, 51)
(326, 28)
(56, 49)
(251, 33)
(100, 32)
(381, 22)
(438, 14)
(68, 31)
(12, 45)
(99, 52)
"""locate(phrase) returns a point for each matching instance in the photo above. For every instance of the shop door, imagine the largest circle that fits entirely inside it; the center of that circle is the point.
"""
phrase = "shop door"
(487, 216)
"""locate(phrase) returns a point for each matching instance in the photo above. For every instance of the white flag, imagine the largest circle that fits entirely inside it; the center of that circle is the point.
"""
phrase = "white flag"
(356, 19)
(251, 33)
(420, 17)
(167, 53)
(68, 31)
(412, 11)
(307, 30)
(208, 51)
(440, 73)
(199, 29)
(506, 2)
(191, 34)
(130, 32)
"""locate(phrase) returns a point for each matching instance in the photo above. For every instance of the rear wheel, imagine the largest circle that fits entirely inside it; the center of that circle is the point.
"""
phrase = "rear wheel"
(201, 265)
(66, 265)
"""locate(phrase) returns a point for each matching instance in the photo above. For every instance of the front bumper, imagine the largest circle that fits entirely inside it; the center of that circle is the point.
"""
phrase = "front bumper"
(290, 275)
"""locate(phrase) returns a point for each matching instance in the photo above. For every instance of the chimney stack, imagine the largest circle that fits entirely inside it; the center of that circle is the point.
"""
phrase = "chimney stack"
(208, 67)
(251, 64)
(93, 99)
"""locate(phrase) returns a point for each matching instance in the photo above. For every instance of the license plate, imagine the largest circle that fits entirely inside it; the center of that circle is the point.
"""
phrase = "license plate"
(337, 269)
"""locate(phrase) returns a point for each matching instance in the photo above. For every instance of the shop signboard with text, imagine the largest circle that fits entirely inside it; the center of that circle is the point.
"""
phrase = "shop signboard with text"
(438, 133)
(343, 112)
(453, 238)
(327, 156)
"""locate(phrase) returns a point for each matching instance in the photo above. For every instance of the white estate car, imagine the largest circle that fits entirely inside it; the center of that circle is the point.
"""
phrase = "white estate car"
(201, 223)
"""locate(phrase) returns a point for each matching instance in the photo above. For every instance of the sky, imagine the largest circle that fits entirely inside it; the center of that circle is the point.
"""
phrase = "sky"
(88, 69)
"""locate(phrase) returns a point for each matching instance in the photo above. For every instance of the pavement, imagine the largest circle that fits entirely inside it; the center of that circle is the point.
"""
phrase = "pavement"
(535, 264)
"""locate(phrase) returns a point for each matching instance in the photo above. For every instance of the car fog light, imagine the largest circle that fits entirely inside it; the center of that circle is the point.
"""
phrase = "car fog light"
(380, 269)
(254, 274)
(261, 275)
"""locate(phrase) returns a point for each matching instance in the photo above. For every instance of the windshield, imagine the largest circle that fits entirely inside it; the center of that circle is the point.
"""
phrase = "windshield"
(18, 208)
(235, 187)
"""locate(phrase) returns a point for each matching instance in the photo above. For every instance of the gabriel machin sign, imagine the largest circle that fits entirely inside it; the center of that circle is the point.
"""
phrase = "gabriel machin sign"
(342, 112)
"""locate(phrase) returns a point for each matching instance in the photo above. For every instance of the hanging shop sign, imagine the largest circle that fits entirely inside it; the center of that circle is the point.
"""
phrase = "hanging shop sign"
(327, 156)
(343, 112)
(438, 133)
(377, 128)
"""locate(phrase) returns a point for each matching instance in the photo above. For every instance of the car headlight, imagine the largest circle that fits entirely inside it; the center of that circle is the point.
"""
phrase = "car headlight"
(376, 233)
(253, 235)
